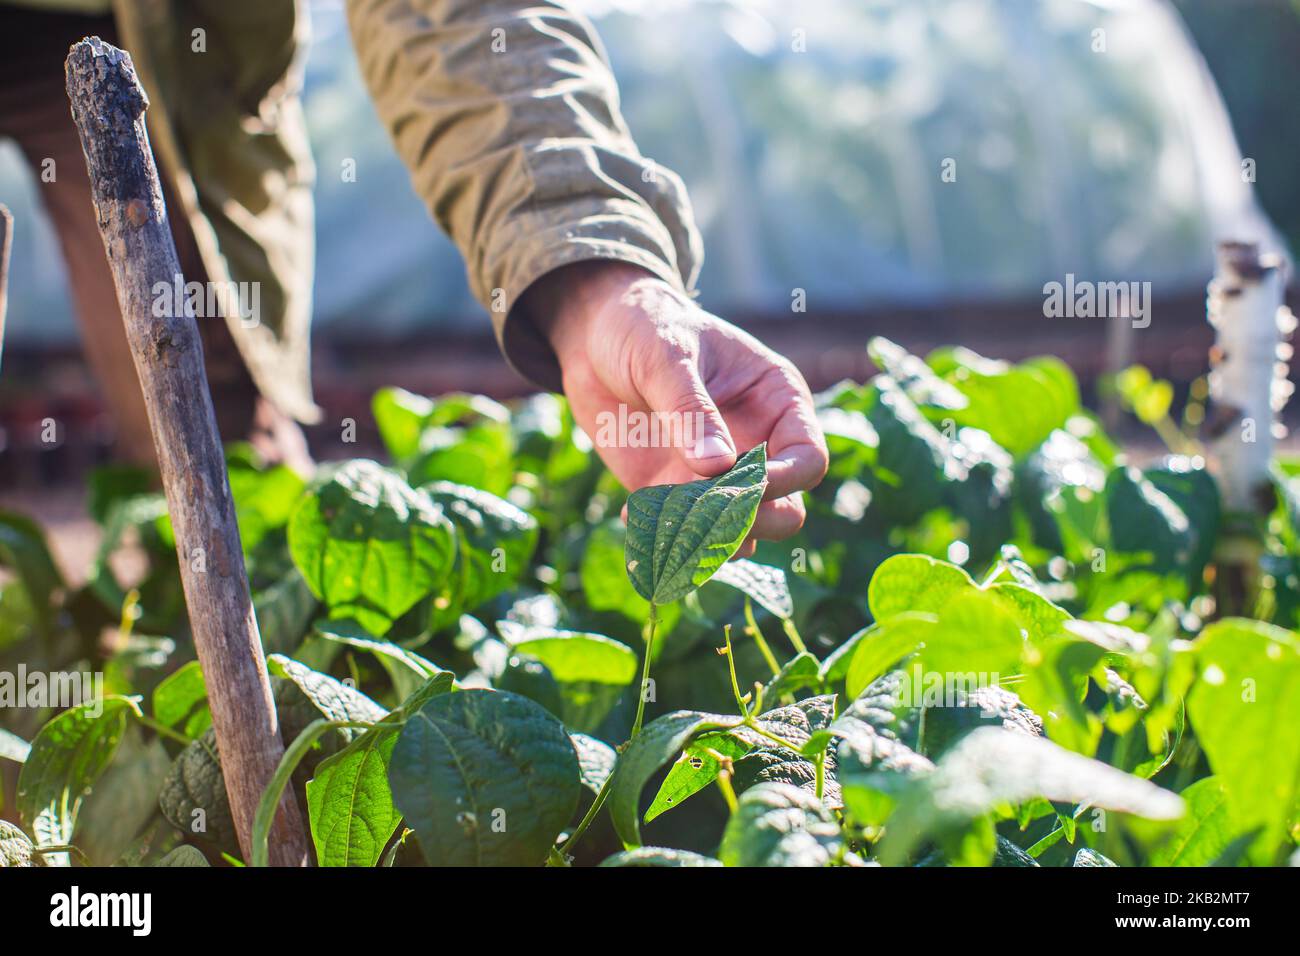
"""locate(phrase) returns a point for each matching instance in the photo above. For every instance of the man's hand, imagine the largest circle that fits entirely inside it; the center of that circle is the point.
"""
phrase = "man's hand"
(624, 337)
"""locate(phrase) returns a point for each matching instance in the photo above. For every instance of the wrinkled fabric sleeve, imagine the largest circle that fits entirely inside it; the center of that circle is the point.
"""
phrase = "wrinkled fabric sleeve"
(506, 113)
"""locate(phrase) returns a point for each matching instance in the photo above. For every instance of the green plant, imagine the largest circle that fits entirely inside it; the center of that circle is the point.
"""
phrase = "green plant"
(996, 641)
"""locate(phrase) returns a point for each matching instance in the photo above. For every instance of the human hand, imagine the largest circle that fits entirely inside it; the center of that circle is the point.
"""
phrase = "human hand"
(626, 338)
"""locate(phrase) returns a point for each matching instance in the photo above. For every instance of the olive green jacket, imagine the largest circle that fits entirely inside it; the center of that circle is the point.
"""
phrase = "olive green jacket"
(505, 112)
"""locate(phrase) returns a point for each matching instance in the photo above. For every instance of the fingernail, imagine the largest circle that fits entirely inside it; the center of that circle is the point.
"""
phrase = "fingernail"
(711, 446)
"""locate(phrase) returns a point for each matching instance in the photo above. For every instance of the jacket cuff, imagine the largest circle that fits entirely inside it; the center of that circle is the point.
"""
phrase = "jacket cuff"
(613, 236)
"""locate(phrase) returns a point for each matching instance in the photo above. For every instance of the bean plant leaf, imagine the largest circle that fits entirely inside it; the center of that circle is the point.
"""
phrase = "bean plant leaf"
(658, 742)
(697, 767)
(776, 824)
(180, 701)
(1245, 710)
(762, 582)
(371, 546)
(66, 758)
(17, 849)
(406, 669)
(494, 541)
(485, 778)
(914, 582)
(1204, 832)
(193, 795)
(186, 856)
(679, 535)
(596, 760)
(333, 698)
(349, 803)
(882, 646)
(659, 856)
(992, 767)
(592, 671)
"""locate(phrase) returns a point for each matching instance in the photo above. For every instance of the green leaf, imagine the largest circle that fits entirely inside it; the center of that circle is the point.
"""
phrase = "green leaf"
(401, 417)
(494, 539)
(23, 551)
(695, 769)
(349, 803)
(917, 379)
(123, 800)
(370, 546)
(1038, 617)
(264, 499)
(679, 535)
(479, 456)
(407, 669)
(1018, 405)
(914, 582)
(658, 742)
(776, 824)
(596, 760)
(881, 646)
(1054, 683)
(605, 582)
(1086, 857)
(592, 672)
(992, 767)
(974, 635)
(17, 849)
(284, 610)
(659, 856)
(1204, 832)
(184, 856)
(485, 778)
(193, 796)
(1245, 710)
(66, 759)
(180, 701)
(762, 582)
(333, 698)
(801, 672)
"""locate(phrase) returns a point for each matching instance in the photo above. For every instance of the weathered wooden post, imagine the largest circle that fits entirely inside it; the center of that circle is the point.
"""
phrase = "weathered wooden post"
(1249, 387)
(108, 106)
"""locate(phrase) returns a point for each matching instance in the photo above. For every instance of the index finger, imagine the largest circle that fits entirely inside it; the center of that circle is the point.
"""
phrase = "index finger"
(797, 457)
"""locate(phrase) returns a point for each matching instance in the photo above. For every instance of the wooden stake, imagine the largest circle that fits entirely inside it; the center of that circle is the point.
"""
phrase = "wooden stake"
(108, 106)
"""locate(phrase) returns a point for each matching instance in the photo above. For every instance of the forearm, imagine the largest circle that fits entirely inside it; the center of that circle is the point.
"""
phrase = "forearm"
(507, 117)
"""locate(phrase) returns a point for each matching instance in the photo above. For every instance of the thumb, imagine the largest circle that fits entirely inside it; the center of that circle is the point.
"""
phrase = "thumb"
(695, 427)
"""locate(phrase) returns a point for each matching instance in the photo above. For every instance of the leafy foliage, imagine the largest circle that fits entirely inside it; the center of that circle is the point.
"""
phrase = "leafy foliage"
(995, 642)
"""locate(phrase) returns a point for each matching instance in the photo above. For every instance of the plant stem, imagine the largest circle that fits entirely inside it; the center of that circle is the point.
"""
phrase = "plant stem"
(821, 774)
(731, 667)
(792, 632)
(163, 730)
(293, 755)
(753, 725)
(752, 627)
(587, 818)
(728, 791)
(650, 626)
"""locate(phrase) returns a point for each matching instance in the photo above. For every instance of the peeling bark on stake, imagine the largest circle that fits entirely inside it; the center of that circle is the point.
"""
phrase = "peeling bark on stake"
(1249, 386)
(108, 106)
(1248, 378)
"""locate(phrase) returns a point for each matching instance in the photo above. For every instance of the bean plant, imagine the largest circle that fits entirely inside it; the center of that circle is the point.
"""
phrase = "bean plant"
(998, 640)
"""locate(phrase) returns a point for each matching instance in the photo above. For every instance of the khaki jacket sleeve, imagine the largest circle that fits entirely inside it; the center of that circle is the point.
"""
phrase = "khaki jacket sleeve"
(506, 114)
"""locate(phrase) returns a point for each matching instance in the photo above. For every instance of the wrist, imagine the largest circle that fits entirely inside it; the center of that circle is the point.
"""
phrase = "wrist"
(564, 304)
